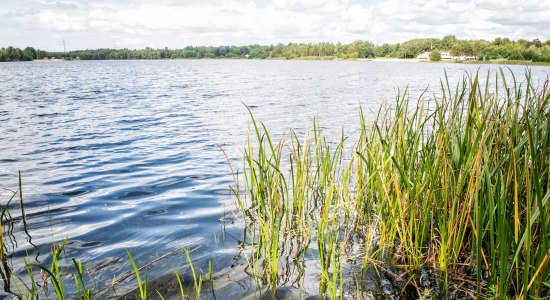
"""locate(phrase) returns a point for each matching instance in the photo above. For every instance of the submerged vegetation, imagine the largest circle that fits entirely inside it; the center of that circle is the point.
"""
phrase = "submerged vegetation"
(498, 49)
(444, 198)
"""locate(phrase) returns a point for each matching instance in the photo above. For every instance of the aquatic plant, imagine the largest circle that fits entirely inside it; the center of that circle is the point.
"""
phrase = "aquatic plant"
(438, 192)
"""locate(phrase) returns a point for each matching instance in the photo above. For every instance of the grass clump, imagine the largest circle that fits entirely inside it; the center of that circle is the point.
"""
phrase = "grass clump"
(447, 197)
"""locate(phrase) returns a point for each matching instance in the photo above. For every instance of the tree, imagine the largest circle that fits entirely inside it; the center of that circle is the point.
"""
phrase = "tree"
(500, 48)
(13, 54)
(383, 50)
(29, 53)
(537, 43)
(447, 42)
(435, 55)
(364, 49)
(413, 48)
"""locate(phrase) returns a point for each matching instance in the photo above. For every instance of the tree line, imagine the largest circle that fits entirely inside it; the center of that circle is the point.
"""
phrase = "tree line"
(27, 54)
(500, 48)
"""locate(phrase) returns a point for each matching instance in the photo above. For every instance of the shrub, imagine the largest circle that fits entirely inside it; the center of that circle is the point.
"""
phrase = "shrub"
(435, 55)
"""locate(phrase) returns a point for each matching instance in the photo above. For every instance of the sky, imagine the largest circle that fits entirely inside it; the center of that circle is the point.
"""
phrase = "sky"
(91, 24)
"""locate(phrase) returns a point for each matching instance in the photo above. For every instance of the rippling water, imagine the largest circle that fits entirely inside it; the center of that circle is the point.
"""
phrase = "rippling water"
(125, 154)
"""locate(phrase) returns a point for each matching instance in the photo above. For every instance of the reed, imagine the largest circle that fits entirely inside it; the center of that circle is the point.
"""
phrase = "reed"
(445, 191)
(142, 285)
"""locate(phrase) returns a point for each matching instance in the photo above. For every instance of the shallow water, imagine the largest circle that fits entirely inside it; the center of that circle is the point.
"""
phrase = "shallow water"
(120, 155)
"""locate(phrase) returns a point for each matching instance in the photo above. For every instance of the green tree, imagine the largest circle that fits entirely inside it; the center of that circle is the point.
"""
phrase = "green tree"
(500, 48)
(29, 53)
(364, 49)
(435, 55)
(413, 48)
(13, 54)
(447, 42)
(537, 43)
(383, 50)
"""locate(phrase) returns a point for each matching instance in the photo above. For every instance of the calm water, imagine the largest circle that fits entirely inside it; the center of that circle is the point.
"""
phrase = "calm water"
(122, 155)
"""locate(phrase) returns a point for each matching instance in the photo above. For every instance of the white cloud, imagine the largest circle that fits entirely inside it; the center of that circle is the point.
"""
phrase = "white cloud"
(126, 42)
(177, 23)
(61, 21)
(314, 5)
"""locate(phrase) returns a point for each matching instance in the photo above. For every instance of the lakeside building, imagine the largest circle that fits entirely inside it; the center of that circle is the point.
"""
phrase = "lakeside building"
(445, 55)
(424, 56)
(466, 57)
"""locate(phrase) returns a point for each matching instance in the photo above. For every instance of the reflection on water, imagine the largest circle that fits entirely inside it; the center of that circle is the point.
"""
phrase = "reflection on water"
(125, 154)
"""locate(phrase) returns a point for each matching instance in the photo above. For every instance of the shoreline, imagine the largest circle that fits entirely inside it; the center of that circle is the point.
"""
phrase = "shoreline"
(328, 58)
(49, 60)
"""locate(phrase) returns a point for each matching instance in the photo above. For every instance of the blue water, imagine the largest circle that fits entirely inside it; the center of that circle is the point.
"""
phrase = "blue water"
(119, 155)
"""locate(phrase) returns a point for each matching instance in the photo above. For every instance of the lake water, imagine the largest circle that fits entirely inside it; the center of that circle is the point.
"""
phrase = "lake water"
(120, 155)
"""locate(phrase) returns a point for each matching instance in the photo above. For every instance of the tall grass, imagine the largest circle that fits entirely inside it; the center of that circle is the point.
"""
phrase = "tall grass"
(445, 192)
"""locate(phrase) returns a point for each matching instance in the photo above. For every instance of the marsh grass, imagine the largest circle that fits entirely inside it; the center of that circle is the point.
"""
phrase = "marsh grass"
(449, 197)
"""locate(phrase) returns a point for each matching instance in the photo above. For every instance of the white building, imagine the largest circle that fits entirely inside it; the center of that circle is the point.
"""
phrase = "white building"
(446, 55)
(426, 55)
(466, 57)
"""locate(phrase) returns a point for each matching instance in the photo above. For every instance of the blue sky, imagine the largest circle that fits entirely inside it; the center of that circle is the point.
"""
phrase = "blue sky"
(178, 23)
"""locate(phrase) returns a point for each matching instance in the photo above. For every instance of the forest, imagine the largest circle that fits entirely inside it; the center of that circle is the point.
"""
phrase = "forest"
(500, 48)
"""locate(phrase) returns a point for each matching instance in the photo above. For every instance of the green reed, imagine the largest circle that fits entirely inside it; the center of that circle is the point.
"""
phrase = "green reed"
(458, 186)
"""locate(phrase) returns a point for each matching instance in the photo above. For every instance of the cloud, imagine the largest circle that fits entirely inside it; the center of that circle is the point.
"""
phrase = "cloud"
(125, 42)
(310, 5)
(177, 23)
(66, 5)
(61, 22)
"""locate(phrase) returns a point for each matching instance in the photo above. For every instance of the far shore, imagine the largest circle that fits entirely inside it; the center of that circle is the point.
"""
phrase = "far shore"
(375, 59)
(48, 59)
(391, 59)
(481, 62)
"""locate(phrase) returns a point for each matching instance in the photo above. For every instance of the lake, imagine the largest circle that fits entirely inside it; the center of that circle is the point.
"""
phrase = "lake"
(118, 155)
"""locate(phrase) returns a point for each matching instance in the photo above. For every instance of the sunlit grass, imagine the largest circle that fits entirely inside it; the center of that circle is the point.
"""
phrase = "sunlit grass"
(446, 191)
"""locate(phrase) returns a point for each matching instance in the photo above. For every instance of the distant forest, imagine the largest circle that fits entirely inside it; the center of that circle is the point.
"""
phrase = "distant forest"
(501, 48)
